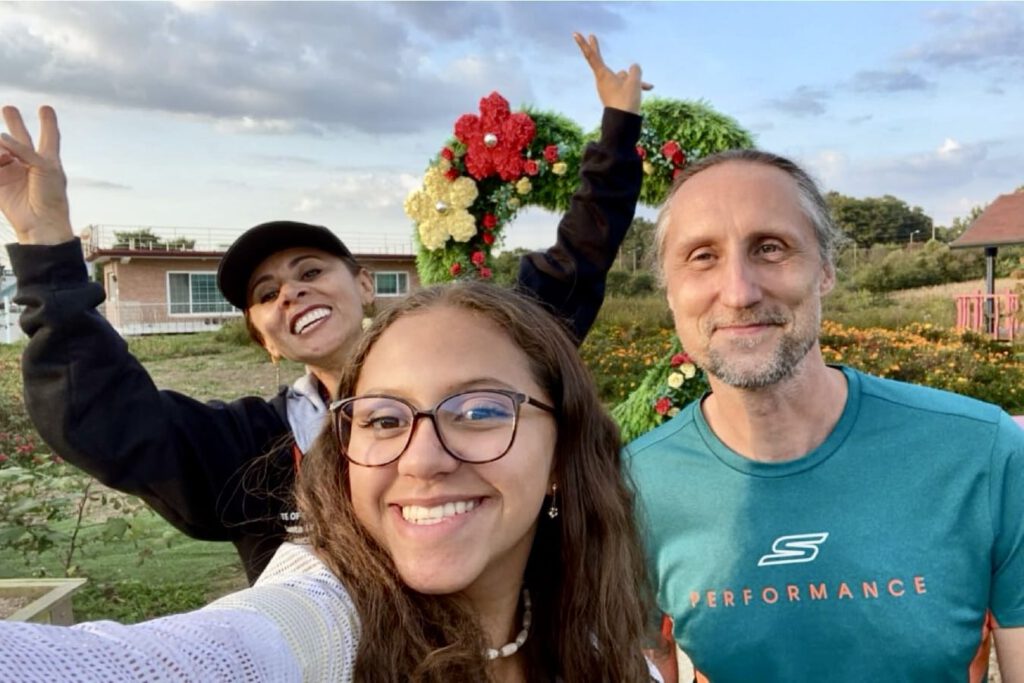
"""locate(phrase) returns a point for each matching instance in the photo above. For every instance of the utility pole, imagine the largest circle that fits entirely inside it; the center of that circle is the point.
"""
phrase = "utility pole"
(912, 236)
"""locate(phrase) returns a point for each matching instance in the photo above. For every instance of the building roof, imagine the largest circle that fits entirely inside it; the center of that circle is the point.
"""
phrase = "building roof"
(1001, 224)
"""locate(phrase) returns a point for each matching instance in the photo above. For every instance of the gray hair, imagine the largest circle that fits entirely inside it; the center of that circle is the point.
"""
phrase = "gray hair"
(812, 202)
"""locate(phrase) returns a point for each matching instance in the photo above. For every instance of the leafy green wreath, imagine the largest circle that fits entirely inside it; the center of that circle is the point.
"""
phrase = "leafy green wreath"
(499, 162)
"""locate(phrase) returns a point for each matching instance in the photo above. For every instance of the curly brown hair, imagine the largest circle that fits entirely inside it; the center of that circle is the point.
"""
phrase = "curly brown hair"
(586, 571)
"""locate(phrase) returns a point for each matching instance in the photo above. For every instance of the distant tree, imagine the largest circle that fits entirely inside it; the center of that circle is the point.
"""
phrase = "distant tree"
(960, 223)
(637, 250)
(878, 220)
(505, 267)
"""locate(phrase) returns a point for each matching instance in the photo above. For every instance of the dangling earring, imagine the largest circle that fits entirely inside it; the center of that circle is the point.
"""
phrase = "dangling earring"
(553, 507)
(368, 313)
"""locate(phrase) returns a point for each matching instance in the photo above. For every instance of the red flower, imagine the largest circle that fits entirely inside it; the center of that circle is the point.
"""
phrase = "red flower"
(477, 258)
(3, 458)
(676, 172)
(495, 139)
(490, 221)
(488, 238)
(670, 148)
(551, 154)
(455, 269)
(485, 273)
(679, 359)
(452, 174)
(641, 152)
(447, 153)
(679, 159)
(663, 405)
(531, 167)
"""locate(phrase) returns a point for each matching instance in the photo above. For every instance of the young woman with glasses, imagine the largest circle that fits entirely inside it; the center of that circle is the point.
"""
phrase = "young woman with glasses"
(466, 519)
(303, 295)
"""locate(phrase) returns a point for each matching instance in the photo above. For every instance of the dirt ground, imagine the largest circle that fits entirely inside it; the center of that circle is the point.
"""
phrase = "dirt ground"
(9, 606)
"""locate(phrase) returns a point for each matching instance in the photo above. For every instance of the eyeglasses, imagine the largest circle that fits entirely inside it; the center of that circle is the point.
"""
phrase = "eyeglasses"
(473, 426)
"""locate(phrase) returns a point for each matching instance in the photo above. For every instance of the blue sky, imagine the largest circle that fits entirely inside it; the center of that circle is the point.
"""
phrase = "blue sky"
(228, 114)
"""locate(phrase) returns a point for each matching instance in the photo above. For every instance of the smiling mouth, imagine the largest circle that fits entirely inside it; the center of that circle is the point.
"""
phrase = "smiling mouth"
(309, 319)
(416, 514)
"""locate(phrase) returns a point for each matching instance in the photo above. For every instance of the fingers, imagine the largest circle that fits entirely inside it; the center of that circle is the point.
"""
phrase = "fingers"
(16, 127)
(591, 51)
(17, 143)
(49, 133)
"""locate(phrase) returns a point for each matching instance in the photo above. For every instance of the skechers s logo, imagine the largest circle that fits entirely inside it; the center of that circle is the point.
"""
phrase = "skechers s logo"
(794, 549)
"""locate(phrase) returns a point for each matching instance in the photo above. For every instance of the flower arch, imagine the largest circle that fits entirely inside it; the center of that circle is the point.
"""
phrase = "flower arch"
(500, 161)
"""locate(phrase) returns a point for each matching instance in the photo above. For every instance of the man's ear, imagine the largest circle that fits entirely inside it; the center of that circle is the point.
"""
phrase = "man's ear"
(828, 279)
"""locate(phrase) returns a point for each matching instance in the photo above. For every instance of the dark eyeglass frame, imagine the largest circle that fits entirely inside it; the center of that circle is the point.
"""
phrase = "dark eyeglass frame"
(518, 399)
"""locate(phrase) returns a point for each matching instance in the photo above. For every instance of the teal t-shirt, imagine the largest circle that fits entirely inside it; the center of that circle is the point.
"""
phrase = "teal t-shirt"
(878, 556)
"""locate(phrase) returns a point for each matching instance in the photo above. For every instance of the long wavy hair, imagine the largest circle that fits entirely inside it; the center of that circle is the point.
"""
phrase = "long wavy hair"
(586, 571)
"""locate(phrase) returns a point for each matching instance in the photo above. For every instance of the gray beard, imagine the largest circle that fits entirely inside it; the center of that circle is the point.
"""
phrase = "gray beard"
(780, 366)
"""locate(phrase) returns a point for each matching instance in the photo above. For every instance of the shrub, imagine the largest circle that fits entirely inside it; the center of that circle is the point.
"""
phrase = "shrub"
(625, 284)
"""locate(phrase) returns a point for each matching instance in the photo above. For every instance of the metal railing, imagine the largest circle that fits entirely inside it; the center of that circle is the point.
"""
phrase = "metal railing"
(132, 318)
(995, 315)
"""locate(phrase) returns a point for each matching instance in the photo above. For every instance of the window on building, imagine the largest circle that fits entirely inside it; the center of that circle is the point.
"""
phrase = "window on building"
(391, 284)
(195, 293)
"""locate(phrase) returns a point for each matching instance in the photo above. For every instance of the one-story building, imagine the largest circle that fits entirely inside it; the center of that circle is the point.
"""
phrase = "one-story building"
(164, 280)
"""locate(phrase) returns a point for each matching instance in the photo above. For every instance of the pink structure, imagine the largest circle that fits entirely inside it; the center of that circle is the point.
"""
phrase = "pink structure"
(970, 314)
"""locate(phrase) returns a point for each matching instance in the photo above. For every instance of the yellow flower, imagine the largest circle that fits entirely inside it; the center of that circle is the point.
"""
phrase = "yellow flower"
(513, 202)
(439, 209)
(648, 167)
(444, 164)
(524, 185)
(688, 370)
(559, 168)
(675, 380)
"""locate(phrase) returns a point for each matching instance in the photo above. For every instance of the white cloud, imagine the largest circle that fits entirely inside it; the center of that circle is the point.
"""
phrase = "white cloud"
(990, 36)
(359, 190)
(286, 67)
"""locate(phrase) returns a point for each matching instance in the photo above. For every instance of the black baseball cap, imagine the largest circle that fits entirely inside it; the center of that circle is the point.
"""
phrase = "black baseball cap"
(257, 243)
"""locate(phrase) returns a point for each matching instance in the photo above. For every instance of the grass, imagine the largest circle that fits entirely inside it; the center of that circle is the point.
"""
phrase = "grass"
(156, 570)
(142, 578)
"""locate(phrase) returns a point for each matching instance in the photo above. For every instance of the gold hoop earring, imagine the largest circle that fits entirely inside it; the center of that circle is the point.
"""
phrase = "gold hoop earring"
(553, 507)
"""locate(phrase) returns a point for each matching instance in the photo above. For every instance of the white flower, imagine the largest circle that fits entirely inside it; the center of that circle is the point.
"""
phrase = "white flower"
(675, 380)
(688, 370)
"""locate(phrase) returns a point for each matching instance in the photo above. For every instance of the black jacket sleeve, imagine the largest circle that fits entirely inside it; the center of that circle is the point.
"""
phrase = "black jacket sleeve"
(569, 278)
(96, 406)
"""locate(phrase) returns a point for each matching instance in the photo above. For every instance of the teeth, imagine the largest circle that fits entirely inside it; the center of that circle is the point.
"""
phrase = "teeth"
(307, 319)
(421, 515)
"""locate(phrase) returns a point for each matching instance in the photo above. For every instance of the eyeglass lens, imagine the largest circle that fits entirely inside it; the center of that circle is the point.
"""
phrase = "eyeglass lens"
(476, 426)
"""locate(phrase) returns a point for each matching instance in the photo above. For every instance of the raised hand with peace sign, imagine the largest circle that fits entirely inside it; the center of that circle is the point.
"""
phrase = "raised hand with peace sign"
(617, 89)
(33, 187)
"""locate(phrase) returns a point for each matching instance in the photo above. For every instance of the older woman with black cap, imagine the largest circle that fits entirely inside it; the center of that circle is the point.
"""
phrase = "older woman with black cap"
(302, 293)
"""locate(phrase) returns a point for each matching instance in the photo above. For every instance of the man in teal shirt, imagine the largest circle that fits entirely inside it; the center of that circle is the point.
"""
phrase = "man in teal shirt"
(808, 522)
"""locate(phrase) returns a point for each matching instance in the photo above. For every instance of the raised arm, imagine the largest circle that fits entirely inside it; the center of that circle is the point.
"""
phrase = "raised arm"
(93, 402)
(570, 276)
